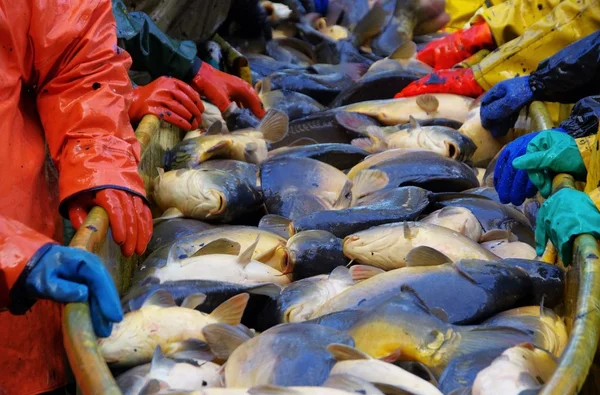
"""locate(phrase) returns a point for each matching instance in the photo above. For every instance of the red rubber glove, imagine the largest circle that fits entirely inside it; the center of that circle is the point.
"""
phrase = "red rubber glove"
(130, 218)
(445, 52)
(220, 88)
(169, 99)
(455, 81)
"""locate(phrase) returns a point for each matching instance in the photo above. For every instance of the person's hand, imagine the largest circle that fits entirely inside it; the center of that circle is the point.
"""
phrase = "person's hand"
(564, 216)
(501, 105)
(169, 99)
(221, 88)
(130, 218)
(446, 52)
(549, 153)
(67, 275)
(431, 16)
(513, 185)
(456, 81)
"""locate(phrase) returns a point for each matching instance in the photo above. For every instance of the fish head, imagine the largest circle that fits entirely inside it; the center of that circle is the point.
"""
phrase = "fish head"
(401, 327)
(301, 299)
(127, 344)
(207, 198)
(439, 140)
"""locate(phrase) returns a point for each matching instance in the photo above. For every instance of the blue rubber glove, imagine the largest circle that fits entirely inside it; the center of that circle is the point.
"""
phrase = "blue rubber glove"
(564, 216)
(549, 153)
(65, 275)
(513, 185)
(501, 105)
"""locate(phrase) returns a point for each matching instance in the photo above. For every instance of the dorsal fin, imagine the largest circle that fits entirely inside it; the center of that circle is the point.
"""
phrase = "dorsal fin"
(193, 301)
(368, 181)
(274, 126)
(425, 256)
(343, 352)
(231, 311)
(160, 365)
(223, 339)
(219, 246)
(414, 124)
(160, 298)
(246, 256)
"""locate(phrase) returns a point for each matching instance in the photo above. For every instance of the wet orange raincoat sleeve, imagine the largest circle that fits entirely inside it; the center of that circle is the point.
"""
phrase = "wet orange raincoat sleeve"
(81, 83)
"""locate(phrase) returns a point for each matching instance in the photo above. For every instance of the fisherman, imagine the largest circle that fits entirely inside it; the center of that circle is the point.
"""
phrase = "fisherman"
(154, 51)
(522, 32)
(65, 85)
(528, 164)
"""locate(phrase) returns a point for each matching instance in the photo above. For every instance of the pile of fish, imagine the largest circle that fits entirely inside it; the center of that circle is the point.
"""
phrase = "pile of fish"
(347, 243)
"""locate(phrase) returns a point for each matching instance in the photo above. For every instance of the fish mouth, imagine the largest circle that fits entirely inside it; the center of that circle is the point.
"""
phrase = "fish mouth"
(219, 203)
(452, 150)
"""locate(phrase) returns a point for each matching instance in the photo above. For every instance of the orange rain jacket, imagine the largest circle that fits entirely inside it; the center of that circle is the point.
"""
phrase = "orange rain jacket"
(62, 81)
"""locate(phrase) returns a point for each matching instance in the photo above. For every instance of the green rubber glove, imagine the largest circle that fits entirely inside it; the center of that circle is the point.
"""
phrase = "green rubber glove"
(566, 215)
(549, 153)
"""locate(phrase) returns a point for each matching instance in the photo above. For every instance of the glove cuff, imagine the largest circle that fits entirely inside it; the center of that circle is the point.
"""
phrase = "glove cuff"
(20, 299)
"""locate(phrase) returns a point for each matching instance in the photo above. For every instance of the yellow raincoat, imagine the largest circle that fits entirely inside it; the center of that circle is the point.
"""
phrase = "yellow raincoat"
(566, 23)
(461, 11)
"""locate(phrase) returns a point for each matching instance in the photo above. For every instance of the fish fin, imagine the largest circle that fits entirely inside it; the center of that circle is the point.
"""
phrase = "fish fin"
(176, 254)
(169, 213)
(214, 129)
(392, 357)
(250, 155)
(389, 389)
(406, 50)
(161, 364)
(334, 11)
(265, 87)
(193, 301)
(371, 24)
(414, 124)
(304, 141)
(497, 234)
(231, 311)
(219, 246)
(223, 339)
(353, 70)
(275, 224)
(439, 313)
(351, 384)
(154, 386)
(271, 290)
(428, 103)
(127, 383)
(364, 272)
(246, 256)
(160, 298)
(343, 352)
(352, 121)
(217, 147)
(376, 132)
(425, 256)
(345, 195)
(476, 339)
(272, 390)
(274, 126)
(366, 182)
(191, 349)
(365, 143)
(341, 273)
(406, 231)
